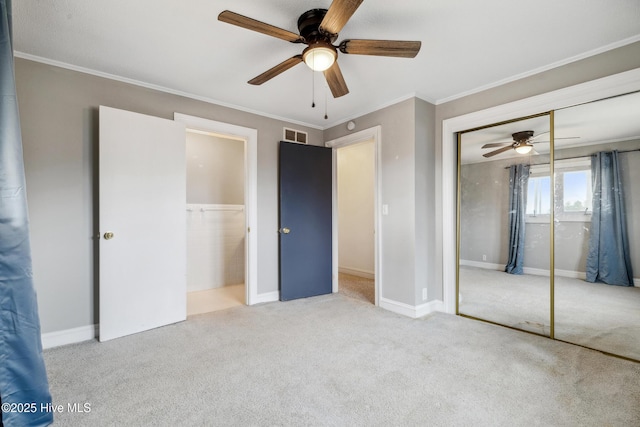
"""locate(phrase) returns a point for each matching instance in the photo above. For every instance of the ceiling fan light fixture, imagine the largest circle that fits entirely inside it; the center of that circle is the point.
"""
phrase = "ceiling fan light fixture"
(523, 149)
(319, 57)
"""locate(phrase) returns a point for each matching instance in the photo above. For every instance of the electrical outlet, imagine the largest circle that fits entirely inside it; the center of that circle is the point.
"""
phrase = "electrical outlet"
(424, 294)
(484, 257)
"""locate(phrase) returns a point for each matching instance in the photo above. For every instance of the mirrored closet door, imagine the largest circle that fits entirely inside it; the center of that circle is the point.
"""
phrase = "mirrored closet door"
(597, 225)
(504, 217)
(577, 168)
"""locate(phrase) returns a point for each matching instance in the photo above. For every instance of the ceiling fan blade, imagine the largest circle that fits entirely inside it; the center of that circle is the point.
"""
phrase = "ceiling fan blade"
(278, 69)
(338, 14)
(395, 48)
(497, 144)
(254, 25)
(335, 81)
(539, 135)
(498, 151)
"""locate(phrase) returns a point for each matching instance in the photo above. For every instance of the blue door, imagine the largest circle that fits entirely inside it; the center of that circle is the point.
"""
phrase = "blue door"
(305, 221)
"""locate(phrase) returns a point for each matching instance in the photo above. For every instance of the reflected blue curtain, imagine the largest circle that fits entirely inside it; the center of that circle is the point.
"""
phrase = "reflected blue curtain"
(23, 379)
(518, 180)
(608, 259)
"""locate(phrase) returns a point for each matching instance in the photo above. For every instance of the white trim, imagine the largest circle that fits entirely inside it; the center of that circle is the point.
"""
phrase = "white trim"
(266, 297)
(482, 264)
(409, 310)
(379, 107)
(535, 271)
(357, 272)
(538, 70)
(429, 307)
(164, 89)
(628, 81)
(375, 134)
(69, 336)
(250, 138)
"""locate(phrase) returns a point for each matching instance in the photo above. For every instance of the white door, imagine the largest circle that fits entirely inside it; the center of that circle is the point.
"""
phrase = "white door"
(142, 203)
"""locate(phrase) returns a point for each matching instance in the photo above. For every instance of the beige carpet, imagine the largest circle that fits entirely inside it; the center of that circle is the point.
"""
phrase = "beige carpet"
(334, 361)
(595, 315)
(357, 287)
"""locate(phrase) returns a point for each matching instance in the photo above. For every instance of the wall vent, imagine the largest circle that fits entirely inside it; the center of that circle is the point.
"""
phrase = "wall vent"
(292, 135)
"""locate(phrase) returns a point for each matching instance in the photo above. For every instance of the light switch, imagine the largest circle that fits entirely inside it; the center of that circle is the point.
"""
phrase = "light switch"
(385, 209)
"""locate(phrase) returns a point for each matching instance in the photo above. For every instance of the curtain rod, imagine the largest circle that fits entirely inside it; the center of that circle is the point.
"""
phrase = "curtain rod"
(580, 157)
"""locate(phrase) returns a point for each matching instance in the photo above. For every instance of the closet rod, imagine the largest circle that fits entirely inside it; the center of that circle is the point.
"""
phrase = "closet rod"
(217, 209)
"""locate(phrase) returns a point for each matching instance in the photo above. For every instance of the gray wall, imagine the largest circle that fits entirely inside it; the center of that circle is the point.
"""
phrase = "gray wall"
(594, 67)
(215, 170)
(397, 156)
(59, 118)
(425, 242)
(407, 187)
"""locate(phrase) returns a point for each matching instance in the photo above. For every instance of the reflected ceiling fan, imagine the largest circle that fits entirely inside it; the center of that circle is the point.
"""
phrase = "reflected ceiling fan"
(522, 143)
(319, 29)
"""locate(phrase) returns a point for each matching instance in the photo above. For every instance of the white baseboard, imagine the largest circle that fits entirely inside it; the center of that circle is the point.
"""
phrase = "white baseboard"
(357, 272)
(410, 310)
(527, 270)
(430, 307)
(535, 271)
(481, 264)
(69, 336)
(266, 297)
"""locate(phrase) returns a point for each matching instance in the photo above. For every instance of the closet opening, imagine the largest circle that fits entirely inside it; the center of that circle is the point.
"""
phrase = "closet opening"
(216, 218)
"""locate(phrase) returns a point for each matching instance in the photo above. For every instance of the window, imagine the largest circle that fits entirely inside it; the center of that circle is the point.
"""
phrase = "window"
(576, 186)
(538, 197)
(572, 197)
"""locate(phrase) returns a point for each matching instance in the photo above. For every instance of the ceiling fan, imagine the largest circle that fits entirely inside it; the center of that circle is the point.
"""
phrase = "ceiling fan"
(319, 29)
(522, 143)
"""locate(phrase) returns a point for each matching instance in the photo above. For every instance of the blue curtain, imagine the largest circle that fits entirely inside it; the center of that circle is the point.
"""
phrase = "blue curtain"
(518, 180)
(23, 379)
(608, 259)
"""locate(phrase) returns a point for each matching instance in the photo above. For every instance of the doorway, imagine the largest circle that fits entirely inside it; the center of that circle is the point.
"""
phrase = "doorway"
(356, 228)
(215, 222)
(356, 248)
(234, 221)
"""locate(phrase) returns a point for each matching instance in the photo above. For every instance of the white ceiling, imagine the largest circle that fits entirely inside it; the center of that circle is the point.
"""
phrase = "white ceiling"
(467, 45)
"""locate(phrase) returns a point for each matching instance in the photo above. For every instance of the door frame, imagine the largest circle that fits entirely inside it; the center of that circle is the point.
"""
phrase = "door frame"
(250, 138)
(628, 81)
(375, 134)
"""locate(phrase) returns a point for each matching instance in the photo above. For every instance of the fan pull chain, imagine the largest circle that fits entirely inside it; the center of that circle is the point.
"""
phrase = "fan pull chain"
(325, 104)
(313, 89)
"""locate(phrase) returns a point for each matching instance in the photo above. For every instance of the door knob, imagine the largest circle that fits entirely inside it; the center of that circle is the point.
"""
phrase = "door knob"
(285, 230)
(108, 235)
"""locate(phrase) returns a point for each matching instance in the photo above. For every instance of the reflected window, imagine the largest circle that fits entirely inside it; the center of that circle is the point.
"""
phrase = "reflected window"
(538, 197)
(577, 191)
(572, 199)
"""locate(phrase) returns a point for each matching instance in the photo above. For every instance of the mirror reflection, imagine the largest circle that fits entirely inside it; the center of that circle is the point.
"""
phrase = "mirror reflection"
(597, 226)
(505, 207)
(505, 202)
